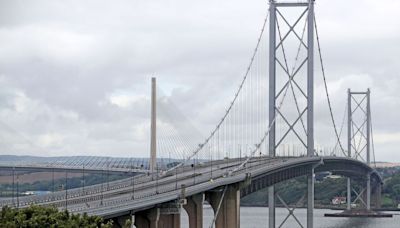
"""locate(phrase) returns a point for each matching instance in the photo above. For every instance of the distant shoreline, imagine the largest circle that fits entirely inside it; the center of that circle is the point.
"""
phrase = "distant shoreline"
(320, 207)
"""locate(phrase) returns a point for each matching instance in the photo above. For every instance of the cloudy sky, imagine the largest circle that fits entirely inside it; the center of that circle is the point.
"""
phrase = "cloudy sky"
(75, 75)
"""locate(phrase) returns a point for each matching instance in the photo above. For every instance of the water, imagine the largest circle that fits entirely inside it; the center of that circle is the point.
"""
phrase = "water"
(254, 217)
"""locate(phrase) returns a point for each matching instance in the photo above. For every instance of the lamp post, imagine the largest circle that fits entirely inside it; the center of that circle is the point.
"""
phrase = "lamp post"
(156, 178)
(194, 172)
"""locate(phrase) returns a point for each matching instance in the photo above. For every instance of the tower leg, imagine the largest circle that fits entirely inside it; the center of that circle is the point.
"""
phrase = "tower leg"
(271, 206)
(272, 105)
(348, 193)
(376, 196)
(368, 192)
(310, 112)
(310, 200)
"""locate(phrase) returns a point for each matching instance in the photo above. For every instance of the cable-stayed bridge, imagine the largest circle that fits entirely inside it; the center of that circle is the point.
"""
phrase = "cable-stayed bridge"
(265, 135)
(88, 164)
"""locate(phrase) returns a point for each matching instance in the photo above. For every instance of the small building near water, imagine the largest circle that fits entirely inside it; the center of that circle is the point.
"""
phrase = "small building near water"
(337, 200)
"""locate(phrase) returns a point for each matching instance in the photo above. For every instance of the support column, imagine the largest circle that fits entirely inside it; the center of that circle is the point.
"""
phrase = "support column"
(348, 193)
(272, 104)
(310, 111)
(141, 221)
(368, 150)
(349, 112)
(368, 128)
(148, 219)
(121, 221)
(310, 79)
(368, 192)
(377, 196)
(229, 211)
(154, 217)
(349, 120)
(310, 200)
(169, 221)
(271, 207)
(194, 209)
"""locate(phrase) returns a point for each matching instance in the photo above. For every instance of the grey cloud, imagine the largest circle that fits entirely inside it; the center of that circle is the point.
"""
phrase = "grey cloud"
(68, 58)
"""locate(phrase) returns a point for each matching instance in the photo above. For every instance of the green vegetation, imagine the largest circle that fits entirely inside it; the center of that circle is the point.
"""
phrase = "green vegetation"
(387, 201)
(59, 184)
(38, 216)
(391, 190)
(293, 190)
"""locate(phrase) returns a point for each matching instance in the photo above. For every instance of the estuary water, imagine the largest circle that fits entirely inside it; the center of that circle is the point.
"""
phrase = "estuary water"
(255, 217)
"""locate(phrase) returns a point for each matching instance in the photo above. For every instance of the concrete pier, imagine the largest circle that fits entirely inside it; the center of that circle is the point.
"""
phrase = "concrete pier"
(155, 218)
(229, 210)
(194, 209)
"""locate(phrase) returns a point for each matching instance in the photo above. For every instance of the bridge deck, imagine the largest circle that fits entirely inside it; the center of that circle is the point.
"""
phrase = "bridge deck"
(119, 197)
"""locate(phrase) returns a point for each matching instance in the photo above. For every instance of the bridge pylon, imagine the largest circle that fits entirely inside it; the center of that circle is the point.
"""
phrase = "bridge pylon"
(306, 91)
(359, 125)
(153, 127)
(359, 136)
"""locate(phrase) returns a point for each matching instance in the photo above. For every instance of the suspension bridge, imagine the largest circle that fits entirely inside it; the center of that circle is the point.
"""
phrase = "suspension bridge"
(265, 135)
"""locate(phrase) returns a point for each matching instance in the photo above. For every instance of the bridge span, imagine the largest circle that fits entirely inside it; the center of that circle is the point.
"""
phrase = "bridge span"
(155, 199)
(77, 164)
(71, 169)
(217, 183)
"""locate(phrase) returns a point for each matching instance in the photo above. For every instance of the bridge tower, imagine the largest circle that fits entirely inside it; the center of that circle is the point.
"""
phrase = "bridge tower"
(359, 136)
(153, 127)
(308, 15)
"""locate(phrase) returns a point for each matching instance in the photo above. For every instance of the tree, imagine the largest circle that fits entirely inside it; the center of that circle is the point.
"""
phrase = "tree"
(39, 216)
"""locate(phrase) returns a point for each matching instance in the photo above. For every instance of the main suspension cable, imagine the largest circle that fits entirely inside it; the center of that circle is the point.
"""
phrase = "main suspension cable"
(341, 129)
(257, 146)
(278, 108)
(372, 139)
(200, 147)
(326, 88)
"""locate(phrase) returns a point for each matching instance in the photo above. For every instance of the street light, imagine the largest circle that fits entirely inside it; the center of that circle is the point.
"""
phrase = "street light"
(157, 178)
(176, 178)
(194, 172)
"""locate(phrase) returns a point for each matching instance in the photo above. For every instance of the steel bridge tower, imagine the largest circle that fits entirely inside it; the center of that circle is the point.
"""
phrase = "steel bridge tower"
(308, 12)
(359, 136)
